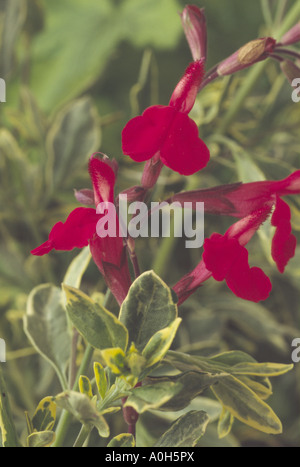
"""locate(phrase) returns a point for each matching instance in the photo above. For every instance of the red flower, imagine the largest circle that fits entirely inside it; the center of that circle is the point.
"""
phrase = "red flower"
(167, 131)
(225, 257)
(79, 230)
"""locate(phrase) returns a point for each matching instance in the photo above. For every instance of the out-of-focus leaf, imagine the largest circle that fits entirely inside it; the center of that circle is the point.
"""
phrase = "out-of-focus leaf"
(185, 432)
(148, 308)
(75, 134)
(45, 324)
(77, 268)
(14, 17)
(88, 33)
(83, 409)
(41, 439)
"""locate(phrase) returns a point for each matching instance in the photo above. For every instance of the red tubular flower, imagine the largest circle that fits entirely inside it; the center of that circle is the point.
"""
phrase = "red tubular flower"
(167, 132)
(225, 257)
(79, 230)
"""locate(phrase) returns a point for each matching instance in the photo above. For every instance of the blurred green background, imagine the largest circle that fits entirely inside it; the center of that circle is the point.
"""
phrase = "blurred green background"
(76, 71)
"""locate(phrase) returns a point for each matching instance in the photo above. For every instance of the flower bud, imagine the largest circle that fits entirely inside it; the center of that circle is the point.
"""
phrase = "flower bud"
(252, 52)
(194, 25)
(151, 172)
(292, 36)
(290, 70)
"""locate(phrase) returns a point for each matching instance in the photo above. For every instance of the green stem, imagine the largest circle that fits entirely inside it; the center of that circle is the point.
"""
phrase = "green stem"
(83, 434)
(256, 71)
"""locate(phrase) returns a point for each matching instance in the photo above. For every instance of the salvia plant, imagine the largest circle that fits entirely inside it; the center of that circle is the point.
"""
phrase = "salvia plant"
(119, 352)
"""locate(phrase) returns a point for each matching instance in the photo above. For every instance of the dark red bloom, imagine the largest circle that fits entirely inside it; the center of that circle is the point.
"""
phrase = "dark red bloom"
(225, 257)
(79, 230)
(167, 131)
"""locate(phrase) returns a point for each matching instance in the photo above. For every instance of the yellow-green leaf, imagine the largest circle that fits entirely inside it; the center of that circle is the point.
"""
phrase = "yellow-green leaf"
(124, 440)
(101, 380)
(98, 326)
(160, 343)
(246, 406)
(115, 359)
(225, 423)
(85, 386)
(44, 415)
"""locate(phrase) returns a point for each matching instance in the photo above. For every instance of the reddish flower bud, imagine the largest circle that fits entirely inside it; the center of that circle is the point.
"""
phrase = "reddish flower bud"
(292, 36)
(194, 25)
(252, 52)
(290, 70)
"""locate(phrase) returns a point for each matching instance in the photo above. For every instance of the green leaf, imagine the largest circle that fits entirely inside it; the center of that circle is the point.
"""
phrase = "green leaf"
(246, 406)
(73, 137)
(160, 343)
(79, 38)
(83, 409)
(260, 369)
(115, 359)
(124, 440)
(185, 432)
(189, 385)
(261, 386)
(41, 439)
(101, 379)
(152, 396)
(44, 415)
(225, 423)
(15, 16)
(85, 386)
(46, 325)
(147, 309)
(97, 325)
(77, 268)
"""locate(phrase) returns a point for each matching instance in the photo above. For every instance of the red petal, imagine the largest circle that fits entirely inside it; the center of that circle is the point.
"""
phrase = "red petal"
(185, 93)
(103, 179)
(183, 150)
(283, 243)
(219, 255)
(227, 259)
(248, 283)
(75, 232)
(143, 136)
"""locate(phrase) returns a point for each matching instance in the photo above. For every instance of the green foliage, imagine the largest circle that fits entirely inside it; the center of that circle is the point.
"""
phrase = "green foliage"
(75, 72)
(186, 431)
